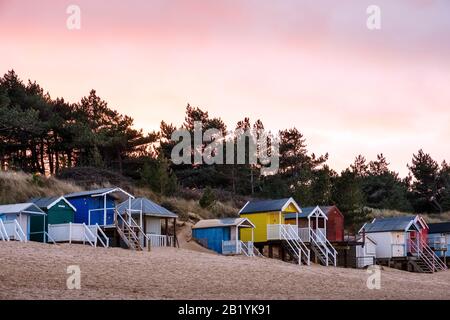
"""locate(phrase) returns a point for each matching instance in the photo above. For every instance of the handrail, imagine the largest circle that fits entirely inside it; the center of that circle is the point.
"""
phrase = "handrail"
(19, 228)
(295, 248)
(3, 231)
(99, 209)
(49, 237)
(295, 243)
(104, 235)
(435, 258)
(131, 229)
(328, 246)
(303, 247)
(93, 236)
(243, 245)
(424, 257)
(313, 238)
(140, 229)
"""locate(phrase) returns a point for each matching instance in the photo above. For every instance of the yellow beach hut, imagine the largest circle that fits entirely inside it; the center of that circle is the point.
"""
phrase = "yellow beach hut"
(272, 231)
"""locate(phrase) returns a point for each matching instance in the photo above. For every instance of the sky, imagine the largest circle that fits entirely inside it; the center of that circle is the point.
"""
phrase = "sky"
(313, 65)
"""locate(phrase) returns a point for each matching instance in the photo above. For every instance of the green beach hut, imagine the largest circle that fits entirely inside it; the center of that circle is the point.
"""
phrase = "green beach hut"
(58, 211)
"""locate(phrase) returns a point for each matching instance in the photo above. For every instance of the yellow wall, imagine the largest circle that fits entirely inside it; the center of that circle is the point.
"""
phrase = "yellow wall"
(260, 220)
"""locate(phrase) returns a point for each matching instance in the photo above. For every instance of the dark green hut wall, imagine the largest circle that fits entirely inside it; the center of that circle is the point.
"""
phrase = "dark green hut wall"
(58, 214)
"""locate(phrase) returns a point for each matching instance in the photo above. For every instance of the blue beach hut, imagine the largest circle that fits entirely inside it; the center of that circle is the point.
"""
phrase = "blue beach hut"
(97, 206)
(222, 235)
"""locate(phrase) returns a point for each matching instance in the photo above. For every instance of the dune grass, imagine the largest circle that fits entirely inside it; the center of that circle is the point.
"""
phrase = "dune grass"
(429, 217)
(18, 187)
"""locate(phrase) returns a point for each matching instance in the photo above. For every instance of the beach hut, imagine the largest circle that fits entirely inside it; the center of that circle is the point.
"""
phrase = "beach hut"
(97, 206)
(439, 239)
(360, 254)
(153, 219)
(327, 219)
(15, 221)
(400, 243)
(272, 231)
(224, 235)
(58, 211)
(335, 223)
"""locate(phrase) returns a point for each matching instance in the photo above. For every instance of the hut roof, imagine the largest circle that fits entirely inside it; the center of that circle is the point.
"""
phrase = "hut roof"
(226, 222)
(306, 212)
(114, 191)
(258, 206)
(49, 202)
(147, 207)
(390, 224)
(443, 227)
(16, 208)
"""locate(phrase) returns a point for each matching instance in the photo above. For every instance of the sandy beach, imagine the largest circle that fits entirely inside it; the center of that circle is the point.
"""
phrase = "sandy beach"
(38, 271)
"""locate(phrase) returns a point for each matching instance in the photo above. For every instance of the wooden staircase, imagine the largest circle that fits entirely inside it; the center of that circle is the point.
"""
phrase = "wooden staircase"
(129, 233)
(426, 260)
(295, 247)
(322, 248)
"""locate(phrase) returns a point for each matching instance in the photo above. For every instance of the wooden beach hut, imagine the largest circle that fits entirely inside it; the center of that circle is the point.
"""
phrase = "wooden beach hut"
(58, 211)
(400, 243)
(224, 235)
(153, 220)
(97, 206)
(272, 232)
(439, 239)
(312, 224)
(15, 221)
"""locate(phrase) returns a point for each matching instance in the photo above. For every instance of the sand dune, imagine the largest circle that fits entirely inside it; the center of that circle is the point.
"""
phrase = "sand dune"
(38, 271)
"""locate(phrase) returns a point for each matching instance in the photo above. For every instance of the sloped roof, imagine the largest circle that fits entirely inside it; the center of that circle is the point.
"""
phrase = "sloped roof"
(226, 222)
(258, 206)
(148, 208)
(443, 227)
(49, 202)
(98, 192)
(390, 224)
(29, 208)
(306, 212)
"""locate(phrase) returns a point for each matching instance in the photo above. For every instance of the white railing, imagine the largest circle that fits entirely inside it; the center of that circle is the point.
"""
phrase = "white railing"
(19, 232)
(104, 216)
(289, 233)
(330, 249)
(304, 235)
(438, 243)
(274, 231)
(322, 250)
(145, 239)
(99, 230)
(76, 232)
(3, 233)
(231, 247)
(14, 231)
(158, 240)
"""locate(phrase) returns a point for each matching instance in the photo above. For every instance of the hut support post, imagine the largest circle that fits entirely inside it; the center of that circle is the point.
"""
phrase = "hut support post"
(175, 240)
(129, 211)
(104, 210)
(43, 232)
(237, 239)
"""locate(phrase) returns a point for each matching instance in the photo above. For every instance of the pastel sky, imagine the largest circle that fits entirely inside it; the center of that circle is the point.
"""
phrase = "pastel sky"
(309, 64)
